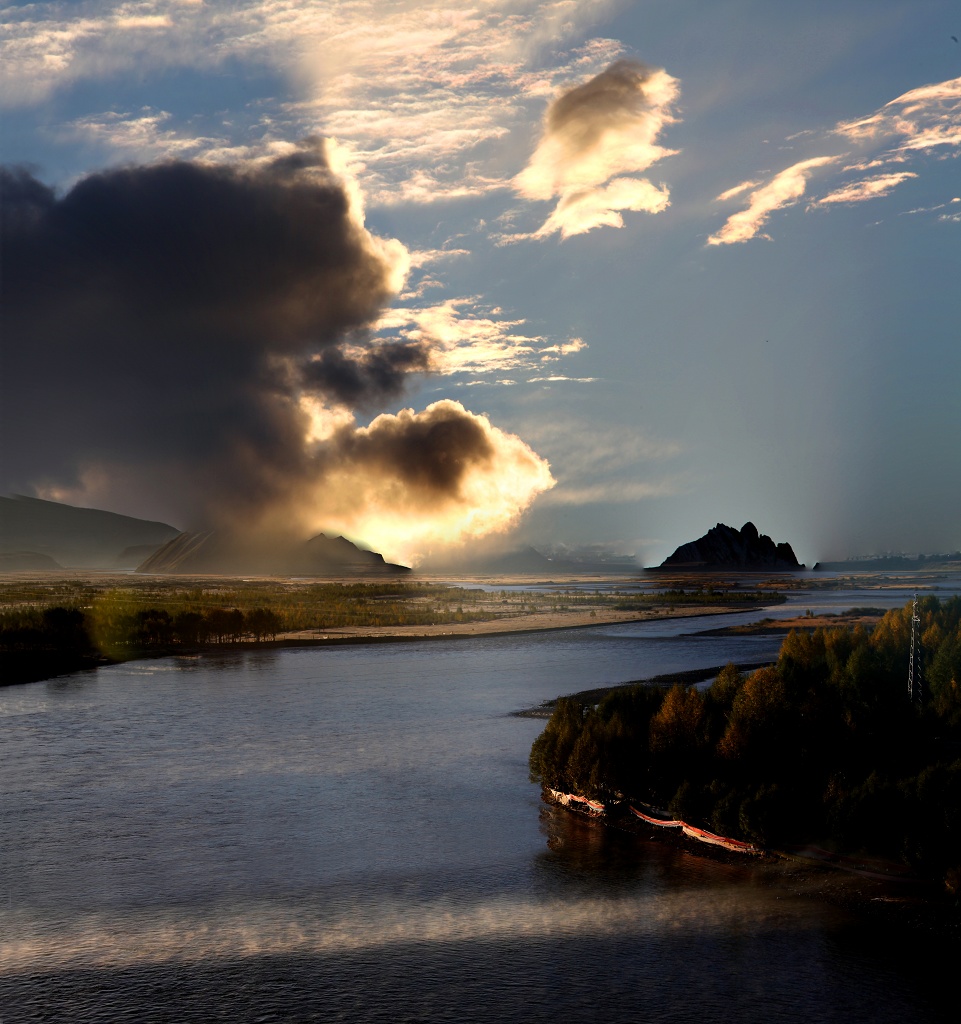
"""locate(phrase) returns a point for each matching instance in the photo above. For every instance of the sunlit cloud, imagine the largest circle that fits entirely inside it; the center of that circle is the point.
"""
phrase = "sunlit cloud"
(594, 135)
(923, 122)
(465, 341)
(144, 133)
(46, 46)
(380, 482)
(921, 119)
(745, 186)
(870, 188)
(784, 189)
(418, 92)
(558, 378)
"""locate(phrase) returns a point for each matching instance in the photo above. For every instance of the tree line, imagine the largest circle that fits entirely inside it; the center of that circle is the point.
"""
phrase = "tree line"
(825, 745)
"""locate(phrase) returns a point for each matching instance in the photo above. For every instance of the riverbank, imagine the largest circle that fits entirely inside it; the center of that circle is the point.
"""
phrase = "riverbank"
(871, 889)
(528, 622)
(17, 667)
(865, 618)
(595, 695)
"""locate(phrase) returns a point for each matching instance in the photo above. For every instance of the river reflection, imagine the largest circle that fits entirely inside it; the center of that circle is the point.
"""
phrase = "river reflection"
(349, 834)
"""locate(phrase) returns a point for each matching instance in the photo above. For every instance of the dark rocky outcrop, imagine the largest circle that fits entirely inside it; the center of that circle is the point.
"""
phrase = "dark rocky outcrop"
(223, 554)
(71, 536)
(724, 547)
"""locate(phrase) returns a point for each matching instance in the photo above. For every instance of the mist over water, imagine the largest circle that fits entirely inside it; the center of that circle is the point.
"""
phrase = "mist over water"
(349, 833)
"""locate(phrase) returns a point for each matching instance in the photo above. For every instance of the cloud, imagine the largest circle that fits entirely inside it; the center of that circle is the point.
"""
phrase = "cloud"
(469, 342)
(46, 46)
(422, 94)
(784, 189)
(875, 187)
(604, 464)
(169, 328)
(611, 492)
(419, 481)
(143, 133)
(920, 123)
(593, 136)
(922, 119)
(361, 378)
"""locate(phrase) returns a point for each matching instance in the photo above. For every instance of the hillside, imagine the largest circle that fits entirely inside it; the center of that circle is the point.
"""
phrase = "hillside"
(224, 554)
(73, 537)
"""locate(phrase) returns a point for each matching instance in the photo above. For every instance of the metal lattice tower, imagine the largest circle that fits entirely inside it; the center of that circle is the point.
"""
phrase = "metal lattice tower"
(914, 660)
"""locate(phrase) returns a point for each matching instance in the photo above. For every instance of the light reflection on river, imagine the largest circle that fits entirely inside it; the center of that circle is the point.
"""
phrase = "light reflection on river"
(349, 833)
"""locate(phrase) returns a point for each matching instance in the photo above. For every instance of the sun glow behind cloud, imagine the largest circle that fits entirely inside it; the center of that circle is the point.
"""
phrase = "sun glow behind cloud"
(418, 482)
(434, 116)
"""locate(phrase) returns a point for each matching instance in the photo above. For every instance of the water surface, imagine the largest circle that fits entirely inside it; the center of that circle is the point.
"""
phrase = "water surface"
(349, 833)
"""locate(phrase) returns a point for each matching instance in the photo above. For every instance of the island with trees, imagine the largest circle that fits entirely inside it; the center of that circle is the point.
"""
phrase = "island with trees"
(826, 746)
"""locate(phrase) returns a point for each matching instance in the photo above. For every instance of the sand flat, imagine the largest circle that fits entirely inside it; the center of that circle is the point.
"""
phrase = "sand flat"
(525, 623)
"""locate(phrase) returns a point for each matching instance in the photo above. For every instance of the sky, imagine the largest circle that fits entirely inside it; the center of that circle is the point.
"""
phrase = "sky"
(576, 274)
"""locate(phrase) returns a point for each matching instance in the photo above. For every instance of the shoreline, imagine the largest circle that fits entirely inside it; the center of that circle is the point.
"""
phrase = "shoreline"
(861, 886)
(23, 667)
(532, 622)
(686, 677)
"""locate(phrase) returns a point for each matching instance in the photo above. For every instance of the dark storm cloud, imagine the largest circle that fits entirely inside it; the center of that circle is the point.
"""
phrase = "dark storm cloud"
(364, 380)
(431, 452)
(266, 256)
(162, 326)
(605, 102)
(169, 316)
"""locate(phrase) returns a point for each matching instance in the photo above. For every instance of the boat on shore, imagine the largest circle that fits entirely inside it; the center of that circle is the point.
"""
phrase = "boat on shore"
(599, 809)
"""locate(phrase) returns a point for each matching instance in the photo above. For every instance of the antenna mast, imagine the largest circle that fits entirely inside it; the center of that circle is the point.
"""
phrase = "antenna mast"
(914, 660)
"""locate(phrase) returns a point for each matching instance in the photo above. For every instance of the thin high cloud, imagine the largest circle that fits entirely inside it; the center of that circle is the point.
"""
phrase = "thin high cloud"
(147, 133)
(923, 118)
(605, 465)
(894, 142)
(868, 188)
(420, 93)
(462, 340)
(595, 138)
(784, 189)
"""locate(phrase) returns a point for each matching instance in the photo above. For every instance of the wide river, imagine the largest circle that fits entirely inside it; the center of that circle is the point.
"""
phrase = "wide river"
(350, 834)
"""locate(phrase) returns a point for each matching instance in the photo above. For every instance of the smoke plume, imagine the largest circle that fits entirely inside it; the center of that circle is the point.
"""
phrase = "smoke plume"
(168, 329)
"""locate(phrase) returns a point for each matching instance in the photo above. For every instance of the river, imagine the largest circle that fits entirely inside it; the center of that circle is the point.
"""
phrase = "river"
(349, 834)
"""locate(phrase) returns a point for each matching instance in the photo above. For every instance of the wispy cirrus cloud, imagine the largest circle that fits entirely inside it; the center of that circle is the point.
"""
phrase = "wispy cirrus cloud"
(420, 93)
(868, 188)
(146, 133)
(921, 118)
(463, 341)
(596, 464)
(895, 141)
(596, 137)
(784, 189)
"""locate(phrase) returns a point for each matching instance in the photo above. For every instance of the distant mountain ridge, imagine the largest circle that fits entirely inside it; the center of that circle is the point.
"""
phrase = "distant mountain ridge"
(73, 537)
(724, 547)
(222, 554)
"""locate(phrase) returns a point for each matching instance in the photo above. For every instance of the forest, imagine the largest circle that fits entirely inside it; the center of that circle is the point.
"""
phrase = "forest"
(46, 630)
(824, 746)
